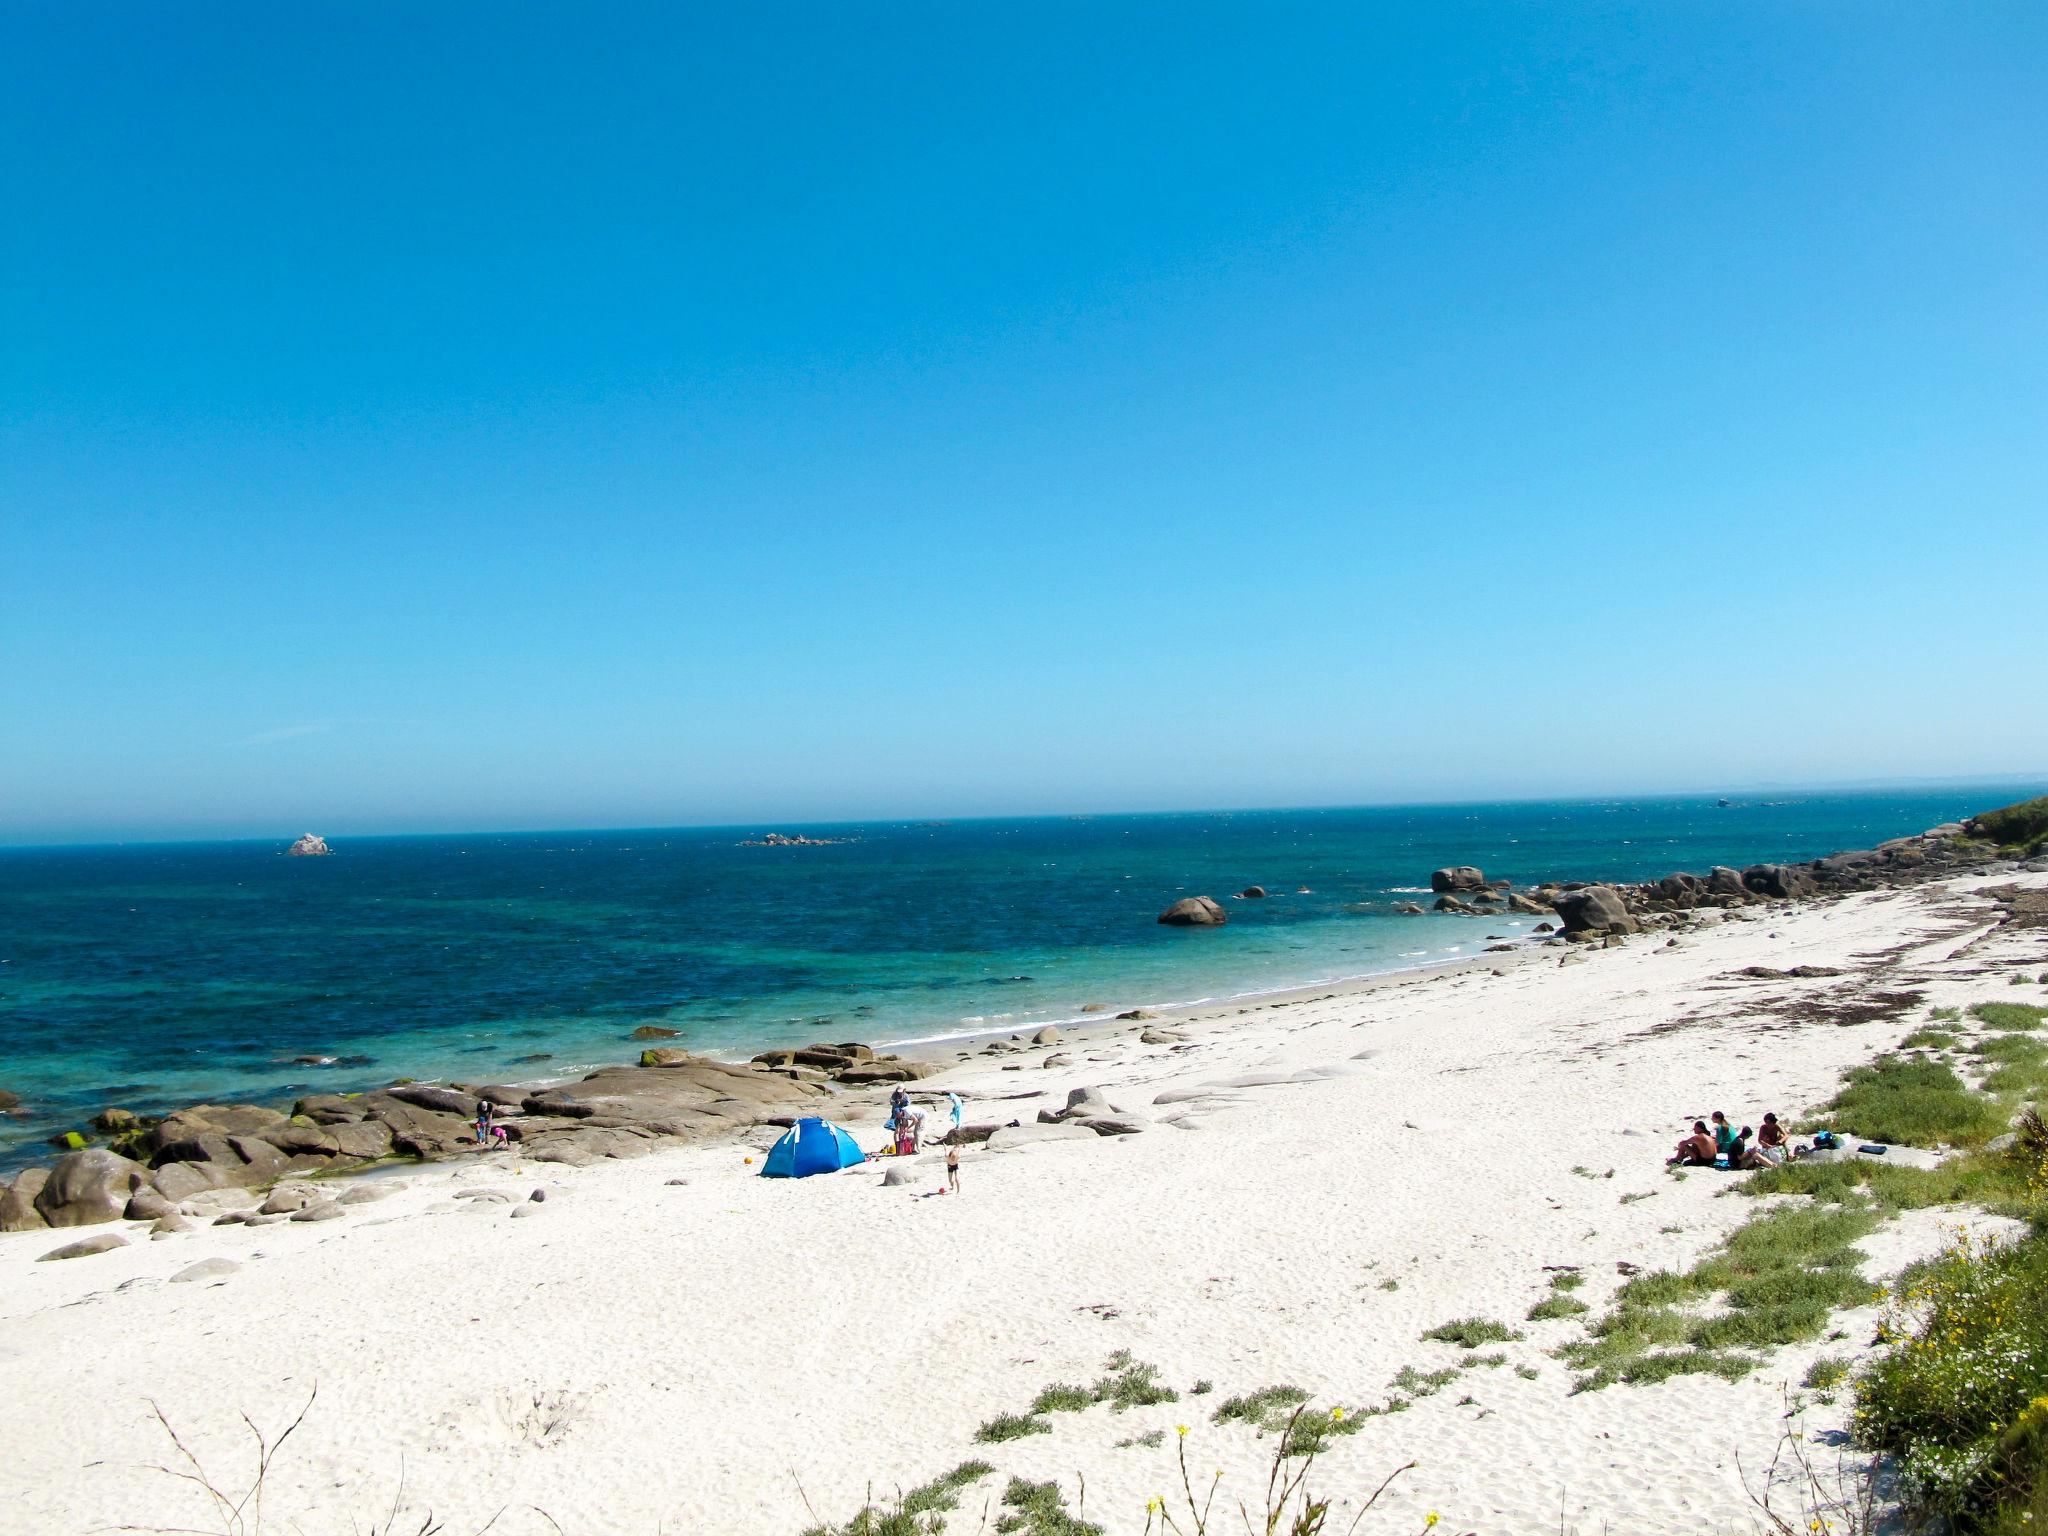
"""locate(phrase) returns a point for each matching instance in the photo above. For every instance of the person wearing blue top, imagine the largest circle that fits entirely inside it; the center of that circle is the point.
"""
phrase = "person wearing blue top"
(1724, 1138)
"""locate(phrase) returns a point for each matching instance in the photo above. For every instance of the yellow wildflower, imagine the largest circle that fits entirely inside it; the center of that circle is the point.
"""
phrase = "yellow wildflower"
(1180, 1429)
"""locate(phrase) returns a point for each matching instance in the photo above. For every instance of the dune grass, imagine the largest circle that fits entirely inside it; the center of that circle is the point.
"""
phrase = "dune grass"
(1040, 1509)
(1914, 1103)
(1930, 1040)
(1126, 1383)
(1266, 1408)
(1778, 1279)
(917, 1513)
(1556, 1306)
(2009, 1015)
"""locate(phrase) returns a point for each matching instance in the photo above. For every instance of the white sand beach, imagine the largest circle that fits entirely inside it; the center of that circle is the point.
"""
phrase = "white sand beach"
(673, 1344)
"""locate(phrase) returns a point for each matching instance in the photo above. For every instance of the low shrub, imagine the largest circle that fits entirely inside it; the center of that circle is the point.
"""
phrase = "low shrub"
(1131, 1384)
(1825, 1374)
(1959, 1398)
(2021, 827)
(1929, 1040)
(1781, 1274)
(1554, 1307)
(1040, 1509)
(1059, 1397)
(1915, 1103)
(1471, 1332)
(1011, 1426)
(1264, 1409)
(2009, 1015)
(1423, 1383)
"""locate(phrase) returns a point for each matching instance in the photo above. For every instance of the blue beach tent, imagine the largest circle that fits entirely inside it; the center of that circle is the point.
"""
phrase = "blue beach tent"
(811, 1146)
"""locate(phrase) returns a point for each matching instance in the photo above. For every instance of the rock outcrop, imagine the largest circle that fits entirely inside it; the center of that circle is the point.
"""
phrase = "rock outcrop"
(310, 846)
(1457, 877)
(89, 1187)
(1252, 893)
(1594, 909)
(1194, 912)
(18, 1211)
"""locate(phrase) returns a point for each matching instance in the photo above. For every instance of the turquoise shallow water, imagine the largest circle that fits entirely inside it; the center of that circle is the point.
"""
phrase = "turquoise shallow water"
(156, 976)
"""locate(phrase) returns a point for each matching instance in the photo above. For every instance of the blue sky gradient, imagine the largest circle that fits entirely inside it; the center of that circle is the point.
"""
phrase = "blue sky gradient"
(500, 415)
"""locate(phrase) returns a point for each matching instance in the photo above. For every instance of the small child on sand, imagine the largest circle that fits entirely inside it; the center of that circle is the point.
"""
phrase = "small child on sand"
(953, 1169)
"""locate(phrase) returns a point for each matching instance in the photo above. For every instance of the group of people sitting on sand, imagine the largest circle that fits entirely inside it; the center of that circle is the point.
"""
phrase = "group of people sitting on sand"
(1719, 1146)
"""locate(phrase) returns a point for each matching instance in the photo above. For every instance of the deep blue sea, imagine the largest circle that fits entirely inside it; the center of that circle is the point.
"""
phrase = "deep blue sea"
(154, 976)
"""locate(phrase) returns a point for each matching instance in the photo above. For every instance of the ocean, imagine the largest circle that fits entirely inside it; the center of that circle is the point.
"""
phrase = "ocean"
(149, 977)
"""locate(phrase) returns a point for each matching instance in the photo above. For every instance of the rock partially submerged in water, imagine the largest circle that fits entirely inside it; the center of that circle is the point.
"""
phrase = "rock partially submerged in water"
(308, 847)
(1457, 877)
(1194, 912)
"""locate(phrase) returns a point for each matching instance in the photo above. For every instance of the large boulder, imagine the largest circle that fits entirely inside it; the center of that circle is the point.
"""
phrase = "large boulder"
(89, 1187)
(1450, 903)
(887, 1069)
(311, 846)
(211, 1120)
(1194, 912)
(1517, 902)
(1594, 909)
(1723, 881)
(1784, 881)
(447, 1101)
(18, 1211)
(1252, 893)
(1010, 1136)
(1680, 889)
(1457, 877)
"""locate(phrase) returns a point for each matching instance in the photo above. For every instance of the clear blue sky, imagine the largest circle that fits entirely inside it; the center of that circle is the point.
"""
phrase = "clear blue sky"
(518, 415)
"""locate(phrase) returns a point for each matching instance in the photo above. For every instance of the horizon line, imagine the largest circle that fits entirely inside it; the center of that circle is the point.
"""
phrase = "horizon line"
(1776, 787)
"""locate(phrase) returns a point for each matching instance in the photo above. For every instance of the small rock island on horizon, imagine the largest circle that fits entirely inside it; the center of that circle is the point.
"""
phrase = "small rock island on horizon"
(312, 845)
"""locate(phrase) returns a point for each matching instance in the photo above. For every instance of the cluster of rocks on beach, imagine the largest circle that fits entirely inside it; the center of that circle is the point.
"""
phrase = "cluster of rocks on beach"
(169, 1171)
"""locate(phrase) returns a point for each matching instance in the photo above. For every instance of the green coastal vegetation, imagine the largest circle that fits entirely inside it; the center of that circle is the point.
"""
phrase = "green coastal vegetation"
(1957, 1396)
(2019, 829)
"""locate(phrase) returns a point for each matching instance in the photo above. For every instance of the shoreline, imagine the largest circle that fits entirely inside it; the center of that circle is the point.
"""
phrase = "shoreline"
(664, 1313)
(1676, 901)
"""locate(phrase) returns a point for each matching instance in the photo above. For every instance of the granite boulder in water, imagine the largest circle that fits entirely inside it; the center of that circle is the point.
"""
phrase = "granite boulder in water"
(1458, 877)
(1194, 912)
(309, 847)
